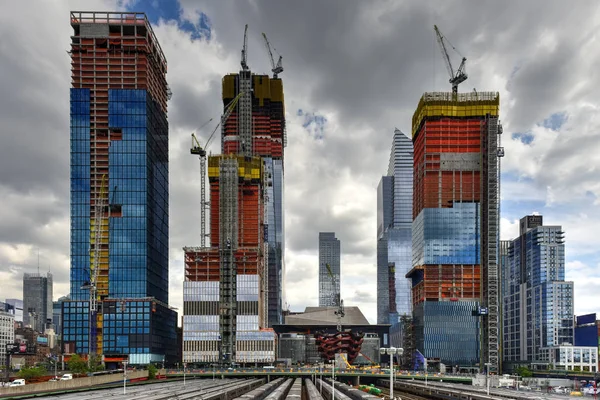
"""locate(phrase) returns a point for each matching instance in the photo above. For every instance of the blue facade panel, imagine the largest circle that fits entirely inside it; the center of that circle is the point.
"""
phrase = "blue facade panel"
(448, 331)
(586, 336)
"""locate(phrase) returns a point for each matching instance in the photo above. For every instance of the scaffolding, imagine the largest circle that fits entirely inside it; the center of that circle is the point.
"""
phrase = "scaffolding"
(490, 151)
(228, 234)
(245, 115)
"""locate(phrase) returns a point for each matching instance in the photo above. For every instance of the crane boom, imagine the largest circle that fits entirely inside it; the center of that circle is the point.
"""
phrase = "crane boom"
(455, 77)
(245, 50)
(275, 68)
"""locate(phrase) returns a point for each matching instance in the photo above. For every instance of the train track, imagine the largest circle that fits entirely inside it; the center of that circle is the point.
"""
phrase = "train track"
(385, 392)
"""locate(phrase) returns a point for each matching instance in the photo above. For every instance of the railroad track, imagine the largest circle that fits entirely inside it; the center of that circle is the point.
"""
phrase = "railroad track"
(385, 392)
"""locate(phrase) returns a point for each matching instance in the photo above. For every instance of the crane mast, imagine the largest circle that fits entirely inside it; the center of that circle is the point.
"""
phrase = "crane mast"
(275, 68)
(458, 76)
(245, 50)
(99, 215)
(200, 151)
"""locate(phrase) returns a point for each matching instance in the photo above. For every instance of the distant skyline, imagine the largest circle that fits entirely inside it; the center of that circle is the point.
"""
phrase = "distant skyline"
(352, 74)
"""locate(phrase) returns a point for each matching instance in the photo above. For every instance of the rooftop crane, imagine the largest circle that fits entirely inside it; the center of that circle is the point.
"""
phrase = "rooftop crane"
(200, 151)
(458, 76)
(245, 50)
(275, 68)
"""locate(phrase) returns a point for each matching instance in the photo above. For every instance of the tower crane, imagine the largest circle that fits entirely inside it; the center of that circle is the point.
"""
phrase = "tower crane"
(245, 50)
(275, 68)
(458, 76)
(200, 151)
(338, 299)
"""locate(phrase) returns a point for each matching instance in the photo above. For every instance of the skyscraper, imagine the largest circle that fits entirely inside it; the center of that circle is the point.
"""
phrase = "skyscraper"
(537, 302)
(394, 233)
(37, 300)
(119, 192)
(15, 307)
(455, 227)
(329, 269)
(233, 289)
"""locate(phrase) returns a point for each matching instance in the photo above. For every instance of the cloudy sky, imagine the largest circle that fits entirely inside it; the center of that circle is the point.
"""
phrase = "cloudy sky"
(354, 70)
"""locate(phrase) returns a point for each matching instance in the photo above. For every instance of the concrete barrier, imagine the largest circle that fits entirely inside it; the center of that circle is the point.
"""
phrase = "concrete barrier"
(72, 384)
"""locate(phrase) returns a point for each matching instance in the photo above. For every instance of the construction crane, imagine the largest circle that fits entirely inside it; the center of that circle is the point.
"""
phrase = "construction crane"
(340, 303)
(458, 76)
(92, 285)
(200, 151)
(275, 68)
(245, 50)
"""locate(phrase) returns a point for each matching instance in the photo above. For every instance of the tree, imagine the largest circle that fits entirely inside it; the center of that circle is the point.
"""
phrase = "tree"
(31, 372)
(524, 372)
(152, 371)
(95, 363)
(77, 365)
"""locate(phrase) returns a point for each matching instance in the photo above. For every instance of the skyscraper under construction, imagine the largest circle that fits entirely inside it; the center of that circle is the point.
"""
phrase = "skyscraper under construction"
(455, 227)
(119, 193)
(233, 287)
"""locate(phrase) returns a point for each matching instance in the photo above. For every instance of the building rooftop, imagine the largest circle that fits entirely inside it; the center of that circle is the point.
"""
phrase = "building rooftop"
(326, 316)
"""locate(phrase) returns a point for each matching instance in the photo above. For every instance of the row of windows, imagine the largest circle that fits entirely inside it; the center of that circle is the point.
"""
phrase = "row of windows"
(126, 95)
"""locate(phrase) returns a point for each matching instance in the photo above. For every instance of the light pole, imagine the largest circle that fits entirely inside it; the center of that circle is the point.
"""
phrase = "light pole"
(391, 351)
(184, 366)
(487, 377)
(321, 378)
(333, 379)
(124, 377)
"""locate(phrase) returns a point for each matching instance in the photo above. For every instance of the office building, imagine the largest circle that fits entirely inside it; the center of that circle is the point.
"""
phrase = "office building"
(329, 269)
(119, 192)
(57, 314)
(233, 288)
(15, 307)
(37, 300)
(455, 228)
(7, 332)
(394, 236)
(567, 357)
(537, 303)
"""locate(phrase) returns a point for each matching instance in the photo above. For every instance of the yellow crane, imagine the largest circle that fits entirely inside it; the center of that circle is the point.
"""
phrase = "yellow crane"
(200, 151)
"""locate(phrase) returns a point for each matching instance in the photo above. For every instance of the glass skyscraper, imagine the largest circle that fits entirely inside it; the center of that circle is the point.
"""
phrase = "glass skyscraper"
(329, 269)
(537, 302)
(119, 192)
(394, 236)
(37, 300)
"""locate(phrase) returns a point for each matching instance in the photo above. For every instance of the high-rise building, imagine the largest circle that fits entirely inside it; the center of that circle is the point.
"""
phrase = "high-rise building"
(37, 300)
(233, 289)
(7, 332)
(394, 235)
(537, 302)
(15, 307)
(329, 269)
(455, 227)
(119, 192)
(57, 314)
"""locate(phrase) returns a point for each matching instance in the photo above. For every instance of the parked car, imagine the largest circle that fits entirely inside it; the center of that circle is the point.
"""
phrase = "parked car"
(66, 377)
(17, 382)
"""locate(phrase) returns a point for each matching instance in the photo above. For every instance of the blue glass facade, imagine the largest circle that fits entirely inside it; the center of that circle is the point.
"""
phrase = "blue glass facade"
(447, 235)
(275, 237)
(448, 331)
(329, 254)
(394, 233)
(537, 302)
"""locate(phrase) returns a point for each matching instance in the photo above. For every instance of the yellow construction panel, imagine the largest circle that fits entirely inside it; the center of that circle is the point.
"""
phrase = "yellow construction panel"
(447, 104)
(276, 90)
(262, 88)
(229, 86)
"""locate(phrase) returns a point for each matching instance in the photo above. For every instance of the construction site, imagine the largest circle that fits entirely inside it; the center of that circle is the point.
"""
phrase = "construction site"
(233, 280)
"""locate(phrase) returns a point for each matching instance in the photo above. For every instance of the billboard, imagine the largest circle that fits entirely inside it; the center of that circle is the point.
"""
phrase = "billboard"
(586, 319)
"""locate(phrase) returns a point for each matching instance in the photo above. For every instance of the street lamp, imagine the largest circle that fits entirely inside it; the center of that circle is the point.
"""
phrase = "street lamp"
(124, 377)
(333, 379)
(391, 351)
(487, 377)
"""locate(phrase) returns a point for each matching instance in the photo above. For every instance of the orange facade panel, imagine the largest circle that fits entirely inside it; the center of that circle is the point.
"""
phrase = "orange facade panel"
(447, 283)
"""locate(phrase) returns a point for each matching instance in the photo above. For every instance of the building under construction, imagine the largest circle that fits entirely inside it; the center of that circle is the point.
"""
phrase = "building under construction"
(233, 287)
(119, 192)
(455, 227)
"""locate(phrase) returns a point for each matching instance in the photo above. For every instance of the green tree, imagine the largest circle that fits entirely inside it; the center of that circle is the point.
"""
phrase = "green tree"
(31, 372)
(152, 371)
(77, 365)
(524, 372)
(95, 364)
